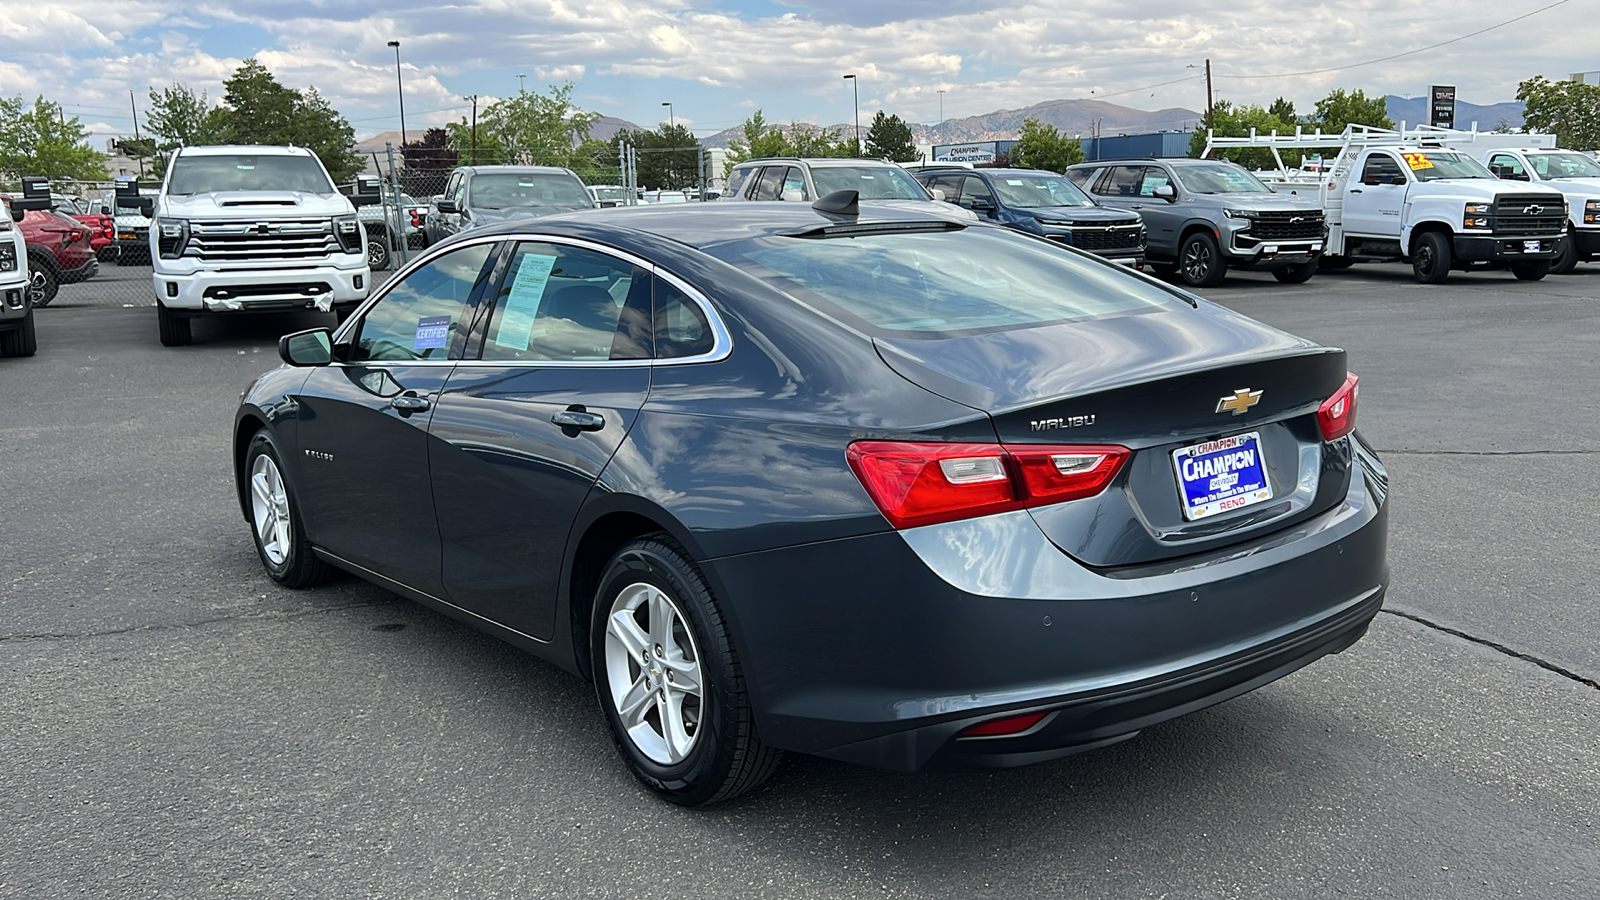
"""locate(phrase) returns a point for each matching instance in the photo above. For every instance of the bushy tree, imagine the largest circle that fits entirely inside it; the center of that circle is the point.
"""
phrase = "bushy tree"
(1341, 108)
(759, 139)
(890, 138)
(1236, 121)
(815, 142)
(38, 139)
(528, 128)
(1283, 110)
(178, 117)
(669, 157)
(1041, 146)
(1568, 109)
(258, 109)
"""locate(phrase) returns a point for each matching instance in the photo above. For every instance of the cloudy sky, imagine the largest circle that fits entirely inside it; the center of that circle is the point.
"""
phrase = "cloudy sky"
(718, 60)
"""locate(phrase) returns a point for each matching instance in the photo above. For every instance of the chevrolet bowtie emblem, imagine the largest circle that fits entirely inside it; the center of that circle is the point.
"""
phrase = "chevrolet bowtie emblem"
(1239, 401)
(1532, 209)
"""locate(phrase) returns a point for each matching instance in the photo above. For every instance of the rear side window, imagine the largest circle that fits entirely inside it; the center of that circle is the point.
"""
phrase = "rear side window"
(944, 282)
(1080, 177)
(681, 328)
(571, 304)
(1122, 181)
(736, 181)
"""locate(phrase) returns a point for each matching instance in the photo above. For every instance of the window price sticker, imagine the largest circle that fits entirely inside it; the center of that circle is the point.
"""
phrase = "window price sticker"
(1418, 160)
(432, 332)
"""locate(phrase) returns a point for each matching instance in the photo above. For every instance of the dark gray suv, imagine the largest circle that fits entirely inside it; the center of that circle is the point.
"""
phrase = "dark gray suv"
(1205, 215)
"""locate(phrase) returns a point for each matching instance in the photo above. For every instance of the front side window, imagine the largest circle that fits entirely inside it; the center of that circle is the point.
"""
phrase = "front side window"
(1504, 165)
(975, 193)
(1380, 169)
(424, 316)
(569, 304)
(1038, 191)
(247, 172)
(1154, 177)
(869, 182)
(1220, 178)
(736, 181)
(794, 184)
(770, 187)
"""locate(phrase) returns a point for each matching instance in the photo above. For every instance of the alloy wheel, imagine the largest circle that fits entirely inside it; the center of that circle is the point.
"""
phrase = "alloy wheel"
(1196, 261)
(269, 510)
(1425, 260)
(653, 673)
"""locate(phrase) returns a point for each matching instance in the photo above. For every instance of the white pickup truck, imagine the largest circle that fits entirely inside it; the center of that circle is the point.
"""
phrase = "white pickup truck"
(1575, 175)
(252, 229)
(1408, 196)
(17, 336)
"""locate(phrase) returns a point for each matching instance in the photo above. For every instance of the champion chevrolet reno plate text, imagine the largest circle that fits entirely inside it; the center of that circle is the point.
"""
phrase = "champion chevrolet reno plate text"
(835, 478)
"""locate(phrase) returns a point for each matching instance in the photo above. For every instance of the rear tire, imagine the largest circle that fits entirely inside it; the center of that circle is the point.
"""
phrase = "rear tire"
(1567, 257)
(1200, 261)
(280, 535)
(678, 664)
(378, 256)
(20, 341)
(174, 328)
(43, 283)
(1431, 258)
(1532, 270)
(1299, 273)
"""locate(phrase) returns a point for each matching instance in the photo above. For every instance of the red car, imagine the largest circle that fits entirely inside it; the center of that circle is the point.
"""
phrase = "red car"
(59, 252)
(104, 228)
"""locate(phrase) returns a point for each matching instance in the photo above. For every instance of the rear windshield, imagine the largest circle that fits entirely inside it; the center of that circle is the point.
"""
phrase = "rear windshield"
(944, 282)
(871, 182)
(502, 190)
(204, 174)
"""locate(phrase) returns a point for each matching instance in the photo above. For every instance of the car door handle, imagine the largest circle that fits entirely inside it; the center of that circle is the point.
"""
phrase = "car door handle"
(1355, 190)
(579, 419)
(409, 403)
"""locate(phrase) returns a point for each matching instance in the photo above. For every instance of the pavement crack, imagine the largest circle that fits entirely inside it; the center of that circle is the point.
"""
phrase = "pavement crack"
(279, 616)
(1498, 647)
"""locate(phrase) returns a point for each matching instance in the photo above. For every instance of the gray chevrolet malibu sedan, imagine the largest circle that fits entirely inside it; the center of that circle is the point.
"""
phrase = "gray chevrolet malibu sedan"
(835, 478)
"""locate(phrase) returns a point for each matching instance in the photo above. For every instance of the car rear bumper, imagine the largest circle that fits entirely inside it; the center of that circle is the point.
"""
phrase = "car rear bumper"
(86, 268)
(946, 626)
(321, 287)
(1505, 248)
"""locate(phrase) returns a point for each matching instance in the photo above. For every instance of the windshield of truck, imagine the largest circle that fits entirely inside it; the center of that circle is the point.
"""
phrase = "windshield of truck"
(1036, 191)
(205, 174)
(1219, 179)
(1564, 165)
(869, 182)
(1432, 165)
(504, 190)
(615, 194)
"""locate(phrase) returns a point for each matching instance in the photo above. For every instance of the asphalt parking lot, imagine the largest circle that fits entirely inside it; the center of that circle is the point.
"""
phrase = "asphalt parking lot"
(175, 725)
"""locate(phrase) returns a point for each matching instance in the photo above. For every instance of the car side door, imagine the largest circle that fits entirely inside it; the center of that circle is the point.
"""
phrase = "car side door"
(523, 431)
(977, 196)
(1373, 202)
(1163, 218)
(362, 421)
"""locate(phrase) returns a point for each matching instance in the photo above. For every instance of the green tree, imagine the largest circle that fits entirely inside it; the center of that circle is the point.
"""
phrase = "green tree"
(258, 109)
(759, 140)
(39, 139)
(890, 138)
(1283, 110)
(476, 147)
(318, 126)
(669, 157)
(1341, 108)
(178, 117)
(1567, 109)
(1041, 146)
(1237, 121)
(815, 142)
(530, 128)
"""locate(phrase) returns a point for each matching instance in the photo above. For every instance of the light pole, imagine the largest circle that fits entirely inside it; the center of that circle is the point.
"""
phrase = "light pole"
(520, 83)
(856, 89)
(672, 160)
(400, 89)
(941, 113)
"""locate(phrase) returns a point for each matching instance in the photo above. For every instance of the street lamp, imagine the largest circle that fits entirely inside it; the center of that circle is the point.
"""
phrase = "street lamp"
(520, 83)
(856, 88)
(400, 89)
(672, 161)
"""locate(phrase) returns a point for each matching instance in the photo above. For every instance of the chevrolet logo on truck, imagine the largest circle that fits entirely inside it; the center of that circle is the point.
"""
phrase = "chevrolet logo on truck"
(1532, 209)
(265, 228)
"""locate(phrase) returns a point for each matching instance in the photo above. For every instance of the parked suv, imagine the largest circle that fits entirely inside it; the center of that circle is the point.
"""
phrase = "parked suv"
(1043, 204)
(1573, 174)
(252, 229)
(805, 180)
(481, 195)
(1205, 215)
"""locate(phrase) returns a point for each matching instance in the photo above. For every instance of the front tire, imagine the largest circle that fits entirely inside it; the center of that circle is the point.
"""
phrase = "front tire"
(43, 284)
(280, 535)
(1567, 257)
(1299, 273)
(669, 680)
(175, 330)
(1200, 261)
(1431, 258)
(20, 341)
(1532, 270)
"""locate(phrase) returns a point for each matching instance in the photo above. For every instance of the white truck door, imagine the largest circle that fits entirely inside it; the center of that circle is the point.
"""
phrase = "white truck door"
(1374, 198)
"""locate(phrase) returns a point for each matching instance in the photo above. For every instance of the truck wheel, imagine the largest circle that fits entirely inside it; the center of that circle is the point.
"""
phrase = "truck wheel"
(1532, 270)
(174, 329)
(20, 341)
(1567, 256)
(43, 283)
(1430, 258)
(377, 251)
(1200, 261)
(1299, 273)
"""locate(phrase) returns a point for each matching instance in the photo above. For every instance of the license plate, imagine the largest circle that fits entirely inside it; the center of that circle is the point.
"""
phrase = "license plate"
(1530, 246)
(1221, 475)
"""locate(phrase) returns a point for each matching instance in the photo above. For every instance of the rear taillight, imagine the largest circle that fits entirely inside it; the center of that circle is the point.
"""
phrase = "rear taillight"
(1006, 727)
(926, 483)
(1337, 414)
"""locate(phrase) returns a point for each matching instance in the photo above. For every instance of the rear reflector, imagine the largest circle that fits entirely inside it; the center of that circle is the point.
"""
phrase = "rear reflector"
(1005, 727)
(1337, 414)
(927, 483)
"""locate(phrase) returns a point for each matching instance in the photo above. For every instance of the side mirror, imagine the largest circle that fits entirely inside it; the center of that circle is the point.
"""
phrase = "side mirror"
(313, 347)
(369, 191)
(793, 196)
(938, 193)
(147, 207)
(982, 204)
(1397, 179)
(448, 206)
(1521, 176)
(1166, 192)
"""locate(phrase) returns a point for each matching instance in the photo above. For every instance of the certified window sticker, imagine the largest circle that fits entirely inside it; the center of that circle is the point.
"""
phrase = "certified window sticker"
(432, 333)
